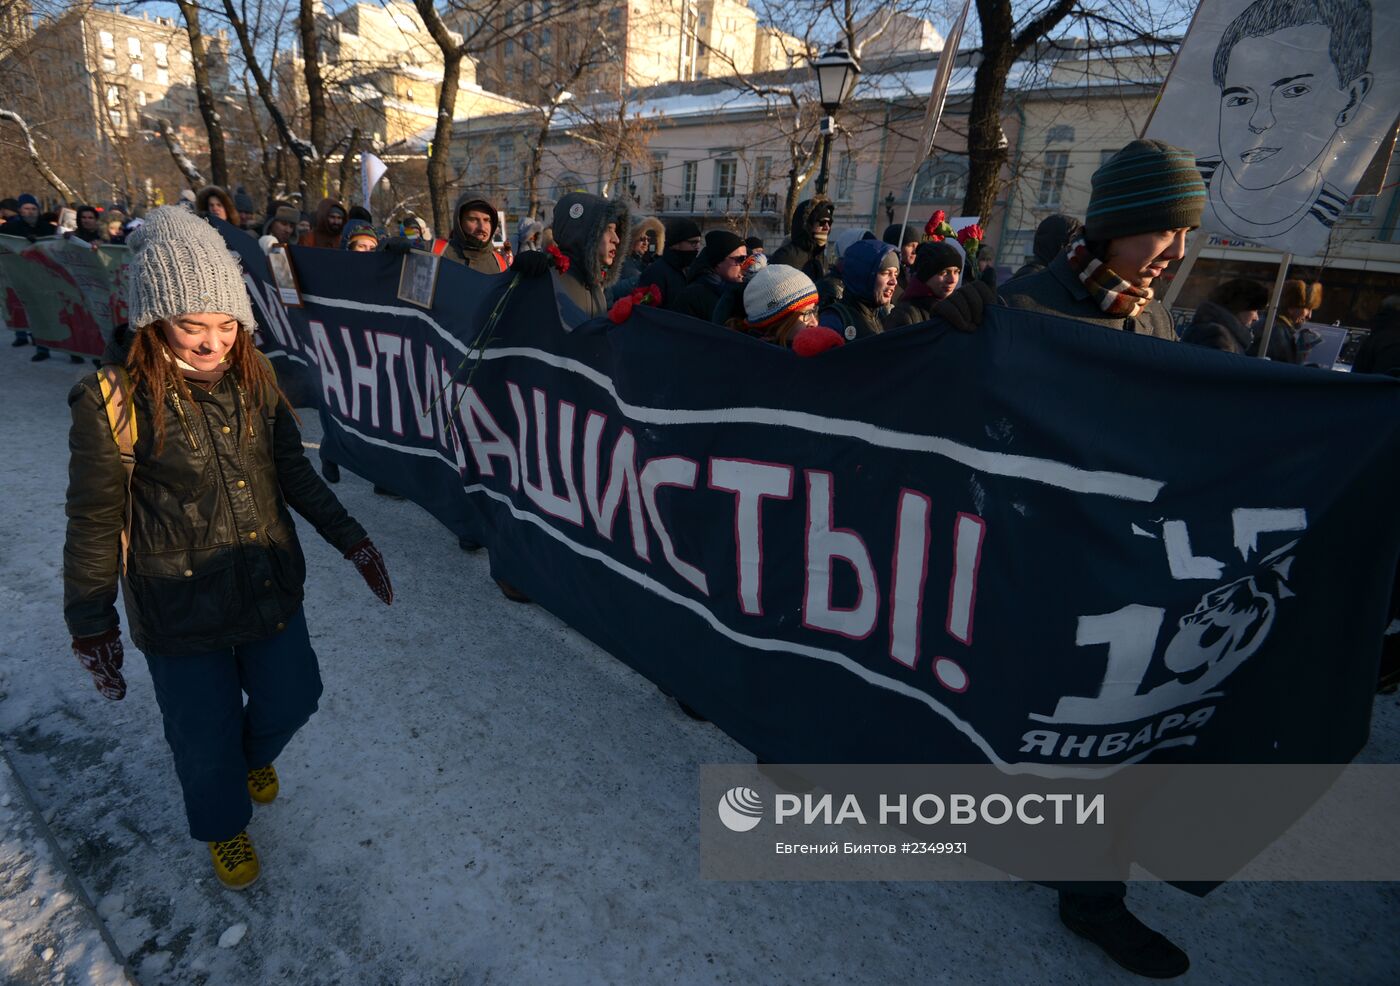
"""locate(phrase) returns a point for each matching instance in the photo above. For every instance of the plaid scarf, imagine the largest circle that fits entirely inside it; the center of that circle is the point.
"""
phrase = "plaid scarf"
(1113, 294)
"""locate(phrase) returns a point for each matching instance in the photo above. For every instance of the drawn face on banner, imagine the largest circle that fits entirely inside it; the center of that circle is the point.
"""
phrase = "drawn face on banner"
(1283, 101)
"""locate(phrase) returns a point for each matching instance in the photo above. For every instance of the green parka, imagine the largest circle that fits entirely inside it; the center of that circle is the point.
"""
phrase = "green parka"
(214, 559)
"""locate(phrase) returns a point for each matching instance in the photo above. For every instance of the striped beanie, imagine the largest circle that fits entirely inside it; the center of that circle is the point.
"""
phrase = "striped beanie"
(775, 293)
(1146, 187)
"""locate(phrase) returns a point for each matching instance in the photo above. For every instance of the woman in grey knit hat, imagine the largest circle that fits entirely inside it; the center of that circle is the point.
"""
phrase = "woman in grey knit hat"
(185, 457)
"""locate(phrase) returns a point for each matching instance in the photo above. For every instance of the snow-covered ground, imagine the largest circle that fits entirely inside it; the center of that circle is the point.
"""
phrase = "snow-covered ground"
(486, 797)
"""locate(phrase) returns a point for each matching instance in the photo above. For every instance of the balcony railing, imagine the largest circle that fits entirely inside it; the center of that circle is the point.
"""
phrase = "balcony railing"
(720, 205)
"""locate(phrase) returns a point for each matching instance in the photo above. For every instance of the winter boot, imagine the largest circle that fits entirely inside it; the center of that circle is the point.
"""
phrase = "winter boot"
(235, 861)
(262, 784)
(468, 545)
(40, 354)
(1107, 922)
(330, 470)
(384, 491)
(74, 358)
(21, 339)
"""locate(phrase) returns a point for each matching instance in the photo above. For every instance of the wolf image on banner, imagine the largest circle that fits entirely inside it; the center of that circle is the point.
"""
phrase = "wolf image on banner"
(1299, 116)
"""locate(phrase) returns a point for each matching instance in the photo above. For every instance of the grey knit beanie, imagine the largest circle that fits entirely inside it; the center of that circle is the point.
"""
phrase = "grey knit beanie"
(775, 292)
(181, 265)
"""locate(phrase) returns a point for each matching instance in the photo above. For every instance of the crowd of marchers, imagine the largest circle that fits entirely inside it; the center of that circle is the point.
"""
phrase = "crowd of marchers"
(213, 584)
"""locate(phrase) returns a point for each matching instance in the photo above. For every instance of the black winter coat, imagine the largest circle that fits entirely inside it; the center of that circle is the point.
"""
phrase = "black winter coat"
(668, 273)
(1380, 352)
(1214, 327)
(1057, 290)
(214, 559)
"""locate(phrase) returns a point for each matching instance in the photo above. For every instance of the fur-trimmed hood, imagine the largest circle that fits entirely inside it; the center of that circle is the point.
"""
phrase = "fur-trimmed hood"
(654, 226)
(579, 221)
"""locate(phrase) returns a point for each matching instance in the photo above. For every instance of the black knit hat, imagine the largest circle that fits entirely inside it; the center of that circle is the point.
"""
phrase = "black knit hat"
(931, 258)
(753, 243)
(1147, 187)
(679, 230)
(719, 243)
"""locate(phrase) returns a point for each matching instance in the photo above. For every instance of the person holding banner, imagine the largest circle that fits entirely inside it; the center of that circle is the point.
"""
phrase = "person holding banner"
(470, 242)
(1142, 202)
(185, 457)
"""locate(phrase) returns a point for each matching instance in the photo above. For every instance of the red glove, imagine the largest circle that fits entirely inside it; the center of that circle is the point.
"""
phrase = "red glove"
(366, 557)
(101, 655)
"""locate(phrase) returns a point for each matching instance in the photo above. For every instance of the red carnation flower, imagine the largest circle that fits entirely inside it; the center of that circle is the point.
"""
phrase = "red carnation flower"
(973, 232)
(561, 262)
(620, 311)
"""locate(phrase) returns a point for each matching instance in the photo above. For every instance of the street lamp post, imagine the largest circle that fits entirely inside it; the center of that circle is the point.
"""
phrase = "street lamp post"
(836, 77)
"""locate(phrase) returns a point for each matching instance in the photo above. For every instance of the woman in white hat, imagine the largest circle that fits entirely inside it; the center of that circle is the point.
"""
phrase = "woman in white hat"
(185, 457)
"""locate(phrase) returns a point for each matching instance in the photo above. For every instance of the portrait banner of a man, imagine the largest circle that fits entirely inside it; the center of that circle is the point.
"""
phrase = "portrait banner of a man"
(1286, 103)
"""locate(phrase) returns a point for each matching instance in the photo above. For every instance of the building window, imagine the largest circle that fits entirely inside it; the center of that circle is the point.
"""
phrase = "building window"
(114, 95)
(108, 42)
(1060, 135)
(116, 117)
(1052, 182)
(185, 57)
(163, 76)
(160, 53)
(624, 178)
(845, 176)
(138, 71)
(762, 174)
(133, 47)
(724, 178)
(140, 97)
(688, 173)
(658, 175)
(109, 64)
(942, 178)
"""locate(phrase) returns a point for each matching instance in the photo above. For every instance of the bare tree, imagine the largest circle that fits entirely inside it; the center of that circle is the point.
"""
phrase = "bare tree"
(308, 153)
(35, 158)
(208, 109)
(177, 152)
(315, 93)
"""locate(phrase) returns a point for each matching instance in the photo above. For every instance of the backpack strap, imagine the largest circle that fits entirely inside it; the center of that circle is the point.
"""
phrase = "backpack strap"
(121, 419)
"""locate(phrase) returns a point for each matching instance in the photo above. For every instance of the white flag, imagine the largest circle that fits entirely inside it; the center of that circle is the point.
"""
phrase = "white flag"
(371, 170)
(934, 113)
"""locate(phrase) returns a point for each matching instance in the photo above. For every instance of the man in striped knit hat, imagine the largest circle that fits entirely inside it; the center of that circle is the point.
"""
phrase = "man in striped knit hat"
(1143, 202)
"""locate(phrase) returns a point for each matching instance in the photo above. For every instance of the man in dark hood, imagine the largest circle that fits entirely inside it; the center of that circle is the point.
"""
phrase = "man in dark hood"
(1052, 236)
(326, 227)
(904, 238)
(472, 233)
(869, 271)
(805, 249)
(1226, 319)
(589, 231)
(667, 272)
(718, 269)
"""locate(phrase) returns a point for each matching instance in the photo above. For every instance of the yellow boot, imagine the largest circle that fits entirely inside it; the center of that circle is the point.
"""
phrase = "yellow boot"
(235, 861)
(262, 784)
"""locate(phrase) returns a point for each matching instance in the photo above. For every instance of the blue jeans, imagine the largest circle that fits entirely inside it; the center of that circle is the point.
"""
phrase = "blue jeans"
(215, 737)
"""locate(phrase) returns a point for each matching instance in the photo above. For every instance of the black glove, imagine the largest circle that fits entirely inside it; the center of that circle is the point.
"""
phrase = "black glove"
(531, 263)
(964, 308)
(399, 245)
